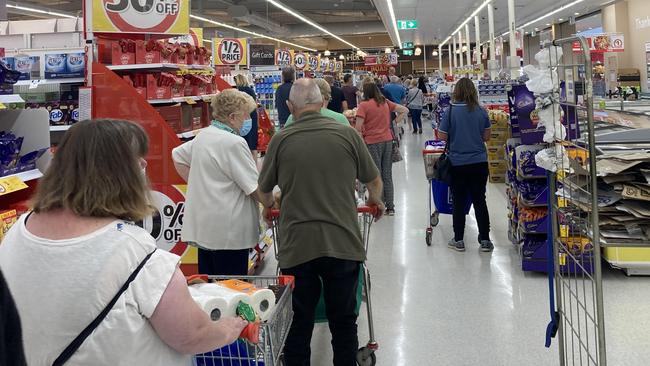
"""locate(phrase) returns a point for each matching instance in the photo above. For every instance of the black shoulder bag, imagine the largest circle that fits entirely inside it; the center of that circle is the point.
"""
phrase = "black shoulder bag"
(79, 340)
(442, 167)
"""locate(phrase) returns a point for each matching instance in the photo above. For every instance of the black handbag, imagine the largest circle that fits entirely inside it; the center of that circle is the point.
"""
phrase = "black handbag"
(442, 167)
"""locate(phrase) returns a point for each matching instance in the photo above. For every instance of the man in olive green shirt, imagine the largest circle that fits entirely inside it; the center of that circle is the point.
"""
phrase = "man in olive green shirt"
(315, 162)
(326, 93)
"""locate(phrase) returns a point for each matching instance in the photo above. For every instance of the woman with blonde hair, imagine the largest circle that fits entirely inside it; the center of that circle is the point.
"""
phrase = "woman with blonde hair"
(466, 127)
(241, 81)
(90, 286)
(221, 206)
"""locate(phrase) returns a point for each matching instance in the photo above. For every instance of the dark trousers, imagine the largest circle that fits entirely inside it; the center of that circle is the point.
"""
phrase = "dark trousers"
(223, 262)
(416, 118)
(470, 181)
(339, 280)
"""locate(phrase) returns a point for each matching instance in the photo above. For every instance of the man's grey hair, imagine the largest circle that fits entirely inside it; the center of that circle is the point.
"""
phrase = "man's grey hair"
(394, 79)
(304, 92)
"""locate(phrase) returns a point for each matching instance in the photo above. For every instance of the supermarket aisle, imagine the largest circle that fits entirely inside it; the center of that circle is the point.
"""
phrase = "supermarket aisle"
(434, 306)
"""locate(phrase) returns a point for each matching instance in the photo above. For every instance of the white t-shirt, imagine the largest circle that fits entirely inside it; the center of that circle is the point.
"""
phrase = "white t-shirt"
(60, 286)
(219, 213)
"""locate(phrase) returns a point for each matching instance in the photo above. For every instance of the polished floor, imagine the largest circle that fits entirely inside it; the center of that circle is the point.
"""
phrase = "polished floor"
(434, 306)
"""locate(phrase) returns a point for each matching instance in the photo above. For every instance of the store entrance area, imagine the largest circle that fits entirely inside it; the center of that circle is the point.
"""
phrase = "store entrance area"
(435, 306)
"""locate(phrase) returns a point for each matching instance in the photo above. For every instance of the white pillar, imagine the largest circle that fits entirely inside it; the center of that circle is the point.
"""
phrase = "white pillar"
(453, 49)
(514, 60)
(440, 58)
(493, 51)
(424, 51)
(451, 59)
(460, 49)
(469, 44)
(477, 35)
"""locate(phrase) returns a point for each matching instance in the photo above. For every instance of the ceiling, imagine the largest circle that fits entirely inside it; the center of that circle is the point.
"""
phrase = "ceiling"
(438, 18)
(350, 19)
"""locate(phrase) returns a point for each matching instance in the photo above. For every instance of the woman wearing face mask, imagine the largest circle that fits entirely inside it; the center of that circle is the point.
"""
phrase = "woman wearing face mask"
(221, 206)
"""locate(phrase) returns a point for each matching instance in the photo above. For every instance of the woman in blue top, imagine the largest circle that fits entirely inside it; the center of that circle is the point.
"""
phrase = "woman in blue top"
(466, 127)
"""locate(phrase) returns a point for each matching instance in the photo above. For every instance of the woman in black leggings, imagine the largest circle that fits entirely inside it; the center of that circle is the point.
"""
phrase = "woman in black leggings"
(466, 127)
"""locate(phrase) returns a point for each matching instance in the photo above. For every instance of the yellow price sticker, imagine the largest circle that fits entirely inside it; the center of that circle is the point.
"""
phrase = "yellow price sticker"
(190, 100)
(564, 231)
(268, 240)
(2, 106)
(11, 184)
(562, 259)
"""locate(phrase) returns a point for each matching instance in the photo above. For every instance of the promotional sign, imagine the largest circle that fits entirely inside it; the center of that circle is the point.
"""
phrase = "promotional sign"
(138, 16)
(331, 65)
(324, 63)
(610, 42)
(382, 59)
(229, 51)
(300, 60)
(339, 66)
(283, 57)
(313, 62)
(262, 55)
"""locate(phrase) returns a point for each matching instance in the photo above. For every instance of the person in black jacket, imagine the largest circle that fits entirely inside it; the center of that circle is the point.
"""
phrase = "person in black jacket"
(11, 339)
(251, 138)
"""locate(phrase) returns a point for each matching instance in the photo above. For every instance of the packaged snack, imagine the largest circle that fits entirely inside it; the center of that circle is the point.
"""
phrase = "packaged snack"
(7, 219)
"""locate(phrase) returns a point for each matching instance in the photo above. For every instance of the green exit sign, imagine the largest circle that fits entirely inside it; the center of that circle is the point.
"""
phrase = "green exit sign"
(407, 52)
(407, 45)
(407, 24)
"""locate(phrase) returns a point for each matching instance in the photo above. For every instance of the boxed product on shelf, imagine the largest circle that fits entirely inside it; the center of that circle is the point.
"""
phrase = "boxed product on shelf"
(11, 161)
(159, 85)
(172, 115)
(65, 65)
(526, 166)
(183, 54)
(12, 101)
(61, 112)
(29, 67)
(138, 82)
(7, 219)
(496, 152)
(148, 52)
(533, 219)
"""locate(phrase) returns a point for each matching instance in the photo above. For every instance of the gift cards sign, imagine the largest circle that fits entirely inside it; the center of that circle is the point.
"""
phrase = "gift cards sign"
(230, 51)
(262, 55)
(141, 16)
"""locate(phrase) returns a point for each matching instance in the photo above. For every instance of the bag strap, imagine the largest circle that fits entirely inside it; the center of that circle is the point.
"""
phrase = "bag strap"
(79, 340)
(448, 144)
(415, 96)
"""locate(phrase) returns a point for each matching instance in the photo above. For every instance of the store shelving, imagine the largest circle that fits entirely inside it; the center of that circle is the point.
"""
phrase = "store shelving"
(190, 134)
(27, 176)
(60, 128)
(205, 98)
(50, 81)
(142, 67)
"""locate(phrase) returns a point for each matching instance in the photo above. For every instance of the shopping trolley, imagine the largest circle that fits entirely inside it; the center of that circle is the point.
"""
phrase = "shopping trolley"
(439, 192)
(273, 332)
(366, 216)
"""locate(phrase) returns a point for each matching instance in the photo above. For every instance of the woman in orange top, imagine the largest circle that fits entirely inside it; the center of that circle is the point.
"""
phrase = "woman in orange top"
(373, 122)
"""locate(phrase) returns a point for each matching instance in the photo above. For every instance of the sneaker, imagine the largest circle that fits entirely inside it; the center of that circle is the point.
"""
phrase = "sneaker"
(415, 132)
(420, 131)
(457, 245)
(486, 246)
(390, 212)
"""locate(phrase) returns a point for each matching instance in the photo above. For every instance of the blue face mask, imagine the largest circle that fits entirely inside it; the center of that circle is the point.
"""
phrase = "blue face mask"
(246, 127)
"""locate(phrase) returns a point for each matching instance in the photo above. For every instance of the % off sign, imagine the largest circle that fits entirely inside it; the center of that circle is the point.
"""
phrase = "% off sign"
(300, 60)
(166, 222)
(230, 51)
(140, 16)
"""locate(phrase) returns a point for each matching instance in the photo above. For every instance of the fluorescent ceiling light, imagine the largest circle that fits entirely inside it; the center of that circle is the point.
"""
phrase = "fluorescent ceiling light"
(561, 8)
(308, 21)
(39, 11)
(387, 50)
(389, 3)
(327, 53)
(248, 32)
(471, 16)
(434, 53)
(341, 57)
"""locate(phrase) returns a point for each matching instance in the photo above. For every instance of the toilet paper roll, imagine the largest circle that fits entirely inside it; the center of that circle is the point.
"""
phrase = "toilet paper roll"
(231, 296)
(215, 307)
(263, 301)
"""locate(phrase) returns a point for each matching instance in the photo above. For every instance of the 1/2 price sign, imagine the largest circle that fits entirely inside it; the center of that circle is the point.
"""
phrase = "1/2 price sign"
(283, 57)
(141, 16)
(230, 51)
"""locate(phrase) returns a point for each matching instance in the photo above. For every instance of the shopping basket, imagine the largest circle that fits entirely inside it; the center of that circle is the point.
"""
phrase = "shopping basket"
(273, 332)
(366, 215)
(439, 192)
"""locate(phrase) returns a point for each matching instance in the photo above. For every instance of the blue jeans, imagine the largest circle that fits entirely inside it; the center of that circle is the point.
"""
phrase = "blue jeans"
(416, 118)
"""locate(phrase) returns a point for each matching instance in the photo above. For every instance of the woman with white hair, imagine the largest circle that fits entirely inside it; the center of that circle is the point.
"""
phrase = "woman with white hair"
(221, 210)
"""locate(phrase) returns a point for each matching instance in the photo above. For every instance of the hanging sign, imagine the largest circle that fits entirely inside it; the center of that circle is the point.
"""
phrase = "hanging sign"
(313, 62)
(300, 60)
(138, 16)
(382, 59)
(283, 57)
(612, 42)
(339, 66)
(262, 55)
(324, 63)
(229, 51)
(195, 38)
(331, 66)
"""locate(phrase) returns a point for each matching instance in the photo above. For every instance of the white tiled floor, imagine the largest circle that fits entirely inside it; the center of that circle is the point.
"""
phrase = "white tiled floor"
(434, 306)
